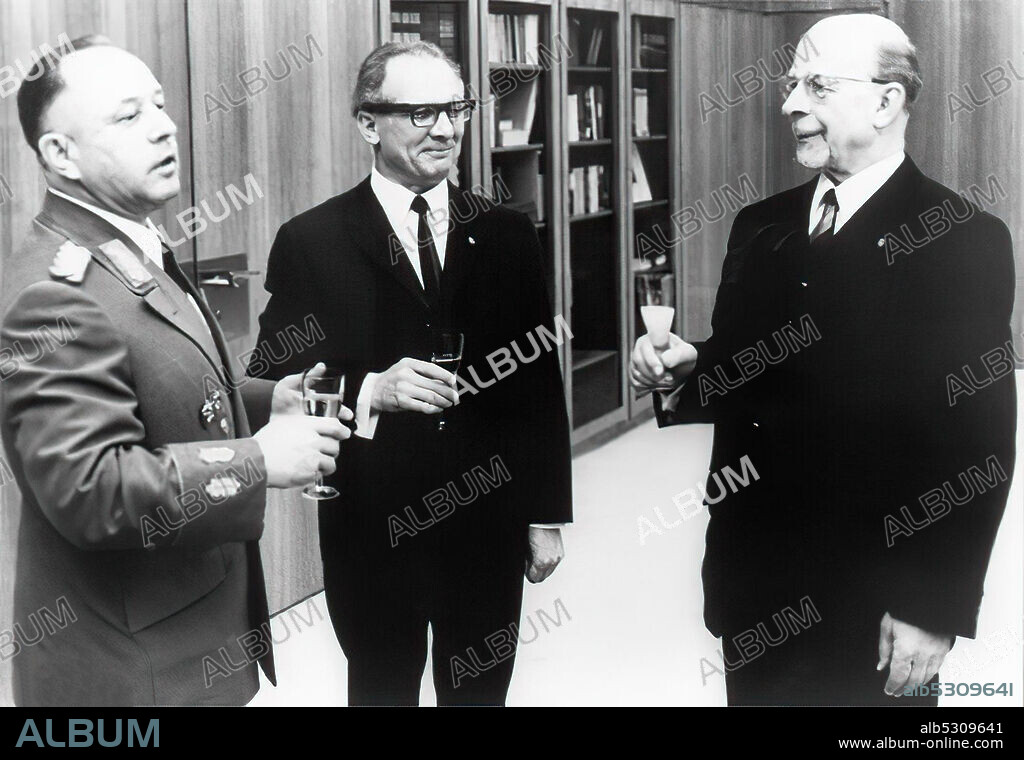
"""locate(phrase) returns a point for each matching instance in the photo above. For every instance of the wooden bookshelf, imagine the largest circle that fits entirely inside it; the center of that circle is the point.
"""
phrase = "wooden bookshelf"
(588, 235)
(447, 26)
(653, 155)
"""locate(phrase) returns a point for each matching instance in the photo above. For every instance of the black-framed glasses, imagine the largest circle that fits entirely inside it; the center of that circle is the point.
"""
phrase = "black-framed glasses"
(818, 85)
(425, 114)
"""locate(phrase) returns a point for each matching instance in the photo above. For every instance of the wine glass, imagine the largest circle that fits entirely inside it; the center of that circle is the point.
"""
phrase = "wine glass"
(447, 353)
(322, 394)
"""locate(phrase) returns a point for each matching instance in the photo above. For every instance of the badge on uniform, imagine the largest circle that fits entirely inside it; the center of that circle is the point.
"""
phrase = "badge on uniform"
(216, 454)
(222, 487)
(211, 408)
(127, 263)
(70, 262)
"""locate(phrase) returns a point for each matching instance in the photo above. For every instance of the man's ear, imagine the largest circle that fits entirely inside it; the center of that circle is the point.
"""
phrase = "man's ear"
(894, 99)
(367, 125)
(59, 154)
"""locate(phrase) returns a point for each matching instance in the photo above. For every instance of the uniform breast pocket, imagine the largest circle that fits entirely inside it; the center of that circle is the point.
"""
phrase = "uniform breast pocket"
(159, 584)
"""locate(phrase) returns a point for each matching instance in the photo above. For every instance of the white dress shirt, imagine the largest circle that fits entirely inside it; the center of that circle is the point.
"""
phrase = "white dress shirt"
(851, 194)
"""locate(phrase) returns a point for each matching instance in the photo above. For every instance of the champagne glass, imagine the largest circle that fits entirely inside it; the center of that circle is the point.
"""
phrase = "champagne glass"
(447, 353)
(656, 295)
(322, 394)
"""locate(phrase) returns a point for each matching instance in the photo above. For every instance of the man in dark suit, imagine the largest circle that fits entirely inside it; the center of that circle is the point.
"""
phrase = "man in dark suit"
(143, 489)
(432, 528)
(846, 306)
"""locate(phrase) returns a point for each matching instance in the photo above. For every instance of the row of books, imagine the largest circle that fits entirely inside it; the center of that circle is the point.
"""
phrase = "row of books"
(650, 49)
(586, 42)
(588, 190)
(587, 102)
(513, 38)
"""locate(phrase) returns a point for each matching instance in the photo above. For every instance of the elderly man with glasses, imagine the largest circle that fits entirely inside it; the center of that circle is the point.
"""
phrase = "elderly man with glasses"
(843, 572)
(436, 524)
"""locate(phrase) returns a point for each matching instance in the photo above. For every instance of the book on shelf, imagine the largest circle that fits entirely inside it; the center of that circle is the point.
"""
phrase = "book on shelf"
(588, 104)
(641, 127)
(588, 189)
(650, 49)
(436, 22)
(514, 114)
(572, 123)
(641, 188)
(581, 35)
(513, 38)
(594, 49)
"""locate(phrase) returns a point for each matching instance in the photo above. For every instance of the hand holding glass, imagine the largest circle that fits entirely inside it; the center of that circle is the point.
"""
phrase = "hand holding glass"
(447, 354)
(322, 394)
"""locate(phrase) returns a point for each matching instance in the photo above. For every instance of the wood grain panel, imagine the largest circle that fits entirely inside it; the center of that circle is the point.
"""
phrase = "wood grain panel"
(155, 31)
(297, 140)
(961, 148)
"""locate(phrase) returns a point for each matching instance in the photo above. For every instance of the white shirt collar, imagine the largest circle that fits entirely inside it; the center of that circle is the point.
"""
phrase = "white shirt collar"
(145, 236)
(397, 200)
(855, 191)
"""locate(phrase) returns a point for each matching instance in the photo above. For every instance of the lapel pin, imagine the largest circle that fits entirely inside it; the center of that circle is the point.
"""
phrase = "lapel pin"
(471, 240)
(881, 242)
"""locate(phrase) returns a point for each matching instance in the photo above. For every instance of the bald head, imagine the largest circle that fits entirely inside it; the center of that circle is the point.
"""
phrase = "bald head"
(95, 117)
(867, 46)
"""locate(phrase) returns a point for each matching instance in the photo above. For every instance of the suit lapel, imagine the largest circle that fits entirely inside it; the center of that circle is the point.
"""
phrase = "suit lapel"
(108, 246)
(460, 248)
(375, 238)
(884, 211)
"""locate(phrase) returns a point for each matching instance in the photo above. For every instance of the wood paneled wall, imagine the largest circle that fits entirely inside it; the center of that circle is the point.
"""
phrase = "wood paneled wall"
(297, 139)
(155, 31)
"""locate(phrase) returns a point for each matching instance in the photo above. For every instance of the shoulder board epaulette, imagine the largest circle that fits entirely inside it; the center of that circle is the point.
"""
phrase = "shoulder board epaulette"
(127, 265)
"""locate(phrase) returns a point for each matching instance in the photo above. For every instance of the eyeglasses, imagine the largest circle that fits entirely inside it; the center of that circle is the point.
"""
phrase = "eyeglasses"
(425, 114)
(817, 85)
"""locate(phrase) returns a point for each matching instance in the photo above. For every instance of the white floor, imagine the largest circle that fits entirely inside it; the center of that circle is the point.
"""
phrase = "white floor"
(619, 622)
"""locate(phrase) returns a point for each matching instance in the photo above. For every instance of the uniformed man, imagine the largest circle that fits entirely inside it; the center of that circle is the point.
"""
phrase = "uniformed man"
(143, 488)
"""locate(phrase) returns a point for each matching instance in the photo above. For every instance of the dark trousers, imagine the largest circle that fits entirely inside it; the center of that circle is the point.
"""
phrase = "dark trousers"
(829, 663)
(467, 585)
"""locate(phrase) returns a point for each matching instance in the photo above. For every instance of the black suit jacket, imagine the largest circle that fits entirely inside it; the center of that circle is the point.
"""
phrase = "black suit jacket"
(830, 369)
(119, 518)
(336, 262)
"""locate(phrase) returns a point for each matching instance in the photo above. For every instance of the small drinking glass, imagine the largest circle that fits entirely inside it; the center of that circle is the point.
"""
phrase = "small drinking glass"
(322, 394)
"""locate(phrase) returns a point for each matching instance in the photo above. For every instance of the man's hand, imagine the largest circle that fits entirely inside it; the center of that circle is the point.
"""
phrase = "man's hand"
(912, 654)
(651, 371)
(414, 386)
(545, 553)
(287, 398)
(296, 447)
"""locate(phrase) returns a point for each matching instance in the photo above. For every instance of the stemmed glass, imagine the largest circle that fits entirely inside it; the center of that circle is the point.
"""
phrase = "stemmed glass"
(322, 395)
(656, 295)
(447, 353)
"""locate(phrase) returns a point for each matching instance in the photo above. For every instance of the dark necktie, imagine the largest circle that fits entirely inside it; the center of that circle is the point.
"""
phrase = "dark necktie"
(430, 264)
(825, 229)
(173, 269)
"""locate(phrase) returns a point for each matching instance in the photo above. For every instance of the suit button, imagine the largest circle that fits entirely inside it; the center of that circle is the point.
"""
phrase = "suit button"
(428, 325)
(755, 424)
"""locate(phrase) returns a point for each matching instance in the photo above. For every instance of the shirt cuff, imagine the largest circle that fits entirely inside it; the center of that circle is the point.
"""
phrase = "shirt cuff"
(366, 416)
(547, 525)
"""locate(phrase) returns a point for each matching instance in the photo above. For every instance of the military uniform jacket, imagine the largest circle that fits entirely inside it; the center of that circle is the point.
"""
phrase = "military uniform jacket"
(143, 493)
